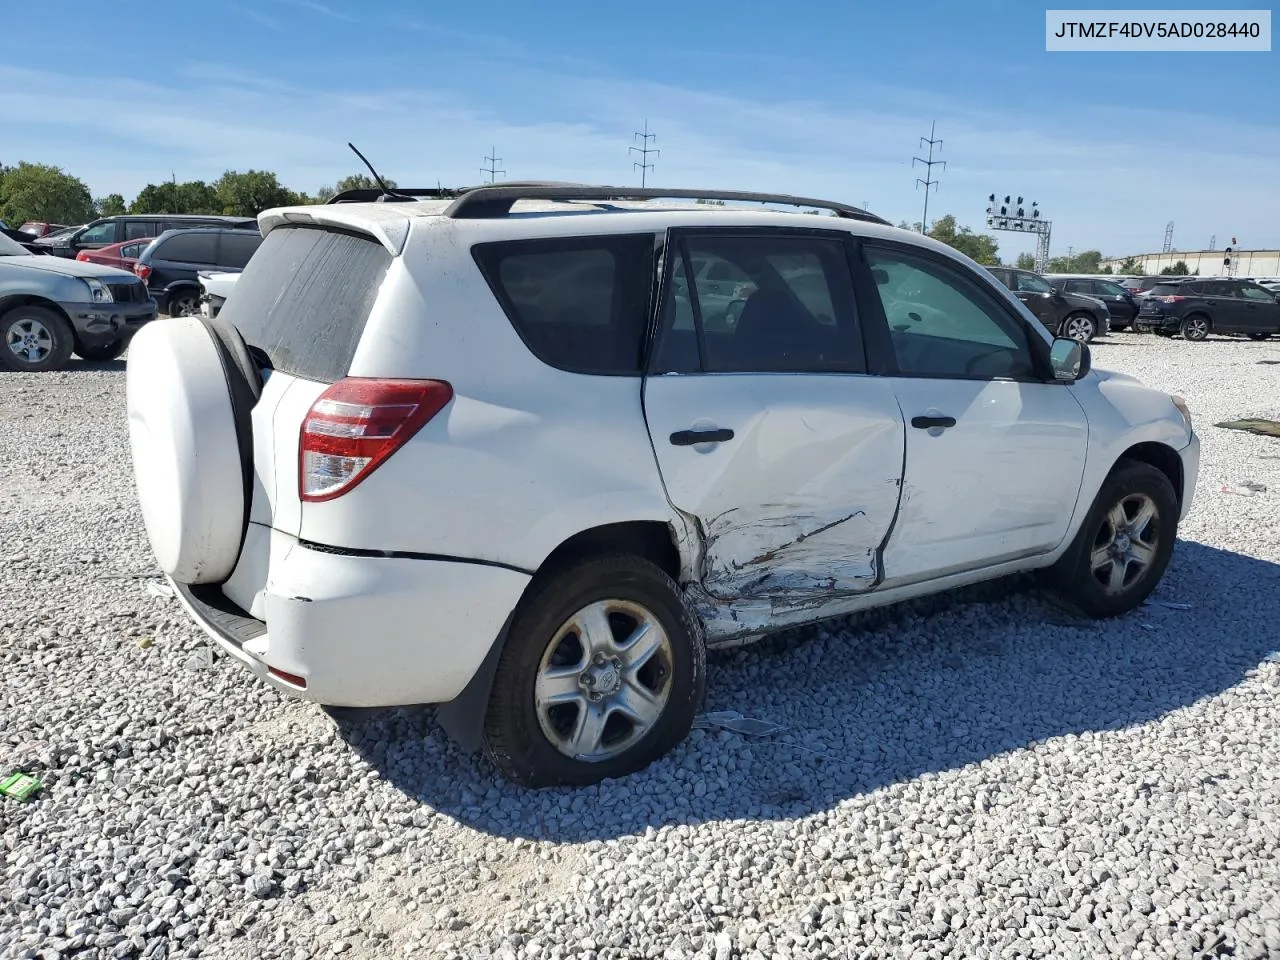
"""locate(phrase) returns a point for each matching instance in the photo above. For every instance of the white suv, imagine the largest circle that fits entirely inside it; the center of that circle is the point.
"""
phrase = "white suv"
(497, 453)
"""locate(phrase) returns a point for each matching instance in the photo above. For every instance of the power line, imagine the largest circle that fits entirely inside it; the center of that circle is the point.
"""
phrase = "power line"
(492, 169)
(643, 163)
(929, 164)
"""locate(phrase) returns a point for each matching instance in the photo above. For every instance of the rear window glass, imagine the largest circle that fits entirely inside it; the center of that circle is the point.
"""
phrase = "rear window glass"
(188, 248)
(1167, 289)
(578, 303)
(237, 248)
(305, 297)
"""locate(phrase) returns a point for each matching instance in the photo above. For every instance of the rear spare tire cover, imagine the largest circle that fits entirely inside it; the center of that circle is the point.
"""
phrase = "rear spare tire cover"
(187, 455)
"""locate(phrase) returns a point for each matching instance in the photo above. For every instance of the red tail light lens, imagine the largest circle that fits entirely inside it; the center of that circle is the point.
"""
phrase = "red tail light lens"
(357, 424)
(142, 270)
(82, 256)
(1172, 299)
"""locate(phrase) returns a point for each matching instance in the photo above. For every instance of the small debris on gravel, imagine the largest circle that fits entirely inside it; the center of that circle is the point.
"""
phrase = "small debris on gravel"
(960, 776)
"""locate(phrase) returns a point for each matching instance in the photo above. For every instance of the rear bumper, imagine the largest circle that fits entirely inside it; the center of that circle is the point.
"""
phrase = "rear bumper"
(364, 631)
(97, 324)
(1157, 321)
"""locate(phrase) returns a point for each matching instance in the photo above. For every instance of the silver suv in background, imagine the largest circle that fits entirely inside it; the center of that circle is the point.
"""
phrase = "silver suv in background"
(51, 307)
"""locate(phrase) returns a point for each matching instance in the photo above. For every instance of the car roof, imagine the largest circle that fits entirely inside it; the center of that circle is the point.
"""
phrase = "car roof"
(390, 222)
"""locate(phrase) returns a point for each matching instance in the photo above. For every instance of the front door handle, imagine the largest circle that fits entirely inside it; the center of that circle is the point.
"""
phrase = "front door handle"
(687, 438)
(927, 423)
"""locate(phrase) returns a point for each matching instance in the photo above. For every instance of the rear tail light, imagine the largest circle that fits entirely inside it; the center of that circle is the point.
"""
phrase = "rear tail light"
(358, 423)
(1170, 299)
(82, 256)
(142, 270)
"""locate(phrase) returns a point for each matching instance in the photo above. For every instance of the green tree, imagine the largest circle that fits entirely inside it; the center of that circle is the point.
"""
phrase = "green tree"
(1085, 262)
(248, 194)
(1179, 269)
(1130, 265)
(1106, 270)
(981, 247)
(112, 205)
(357, 181)
(37, 191)
(194, 196)
(1025, 261)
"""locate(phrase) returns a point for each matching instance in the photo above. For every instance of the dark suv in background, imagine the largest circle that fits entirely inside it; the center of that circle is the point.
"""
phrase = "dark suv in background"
(1197, 306)
(1064, 314)
(171, 264)
(1121, 304)
(109, 230)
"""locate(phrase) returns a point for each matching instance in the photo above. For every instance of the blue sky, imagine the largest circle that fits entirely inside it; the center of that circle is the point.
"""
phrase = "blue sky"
(818, 97)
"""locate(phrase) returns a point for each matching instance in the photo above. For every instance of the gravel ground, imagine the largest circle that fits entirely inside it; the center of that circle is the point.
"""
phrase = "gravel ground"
(978, 774)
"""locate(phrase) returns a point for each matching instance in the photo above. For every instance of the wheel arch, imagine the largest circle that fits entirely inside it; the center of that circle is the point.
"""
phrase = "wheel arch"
(463, 717)
(1161, 456)
(10, 301)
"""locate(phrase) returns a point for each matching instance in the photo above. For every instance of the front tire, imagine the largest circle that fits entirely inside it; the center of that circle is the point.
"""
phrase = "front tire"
(1195, 327)
(603, 670)
(34, 340)
(1080, 326)
(103, 353)
(1124, 545)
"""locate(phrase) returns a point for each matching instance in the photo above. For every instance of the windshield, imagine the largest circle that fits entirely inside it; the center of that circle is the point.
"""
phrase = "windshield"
(11, 248)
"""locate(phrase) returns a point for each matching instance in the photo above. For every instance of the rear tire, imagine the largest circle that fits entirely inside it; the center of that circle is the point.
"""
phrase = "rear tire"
(1124, 545)
(101, 354)
(184, 303)
(1079, 326)
(1196, 327)
(573, 705)
(34, 340)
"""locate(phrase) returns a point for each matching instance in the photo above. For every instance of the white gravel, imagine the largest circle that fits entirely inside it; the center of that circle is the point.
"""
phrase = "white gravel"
(976, 775)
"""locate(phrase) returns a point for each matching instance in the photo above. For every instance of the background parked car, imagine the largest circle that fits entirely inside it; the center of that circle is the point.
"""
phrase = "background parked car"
(1063, 314)
(171, 263)
(1120, 302)
(1138, 286)
(25, 240)
(122, 256)
(1222, 305)
(50, 307)
(39, 229)
(109, 230)
(215, 287)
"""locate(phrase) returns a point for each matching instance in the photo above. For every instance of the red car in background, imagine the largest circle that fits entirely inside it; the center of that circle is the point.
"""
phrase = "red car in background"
(123, 255)
(39, 229)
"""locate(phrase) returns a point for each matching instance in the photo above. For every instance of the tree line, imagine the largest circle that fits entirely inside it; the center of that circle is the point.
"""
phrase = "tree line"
(43, 193)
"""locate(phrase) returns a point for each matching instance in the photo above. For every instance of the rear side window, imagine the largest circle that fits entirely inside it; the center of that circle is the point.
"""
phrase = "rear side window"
(580, 303)
(236, 249)
(1169, 289)
(305, 298)
(189, 248)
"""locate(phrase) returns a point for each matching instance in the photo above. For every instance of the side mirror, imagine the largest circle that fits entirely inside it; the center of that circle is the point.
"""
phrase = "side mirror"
(1069, 359)
(1054, 290)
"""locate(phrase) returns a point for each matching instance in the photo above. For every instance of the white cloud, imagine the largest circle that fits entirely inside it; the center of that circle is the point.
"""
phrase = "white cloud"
(1110, 178)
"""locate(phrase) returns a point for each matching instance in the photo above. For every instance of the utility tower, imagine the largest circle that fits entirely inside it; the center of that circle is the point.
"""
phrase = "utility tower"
(1168, 237)
(491, 169)
(929, 164)
(644, 150)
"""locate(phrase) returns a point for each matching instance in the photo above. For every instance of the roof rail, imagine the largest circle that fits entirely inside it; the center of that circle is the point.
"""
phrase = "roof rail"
(496, 200)
(402, 195)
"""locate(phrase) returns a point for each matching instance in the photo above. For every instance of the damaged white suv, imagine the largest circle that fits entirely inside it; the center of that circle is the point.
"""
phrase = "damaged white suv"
(516, 451)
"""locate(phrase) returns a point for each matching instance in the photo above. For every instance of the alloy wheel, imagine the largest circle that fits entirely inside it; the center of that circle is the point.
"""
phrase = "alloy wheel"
(604, 680)
(1125, 546)
(30, 340)
(1079, 328)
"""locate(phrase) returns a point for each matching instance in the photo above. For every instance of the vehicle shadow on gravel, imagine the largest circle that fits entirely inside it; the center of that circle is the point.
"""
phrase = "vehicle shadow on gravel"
(880, 698)
(100, 366)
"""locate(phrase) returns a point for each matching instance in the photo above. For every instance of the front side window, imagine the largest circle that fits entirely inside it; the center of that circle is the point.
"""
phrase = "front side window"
(1250, 292)
(1108, 287)
(579, 303)
(788, 308)
(236, 248)
(1030, 283)
(103, 233)
(137, 229)
(942, 323)
(1076, 286)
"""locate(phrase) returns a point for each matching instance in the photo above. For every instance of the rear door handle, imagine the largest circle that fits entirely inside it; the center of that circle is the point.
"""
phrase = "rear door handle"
(927, 423)
(687, 438)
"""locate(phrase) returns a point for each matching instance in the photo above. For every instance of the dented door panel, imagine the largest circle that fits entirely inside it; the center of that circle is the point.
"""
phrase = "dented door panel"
(796, 505)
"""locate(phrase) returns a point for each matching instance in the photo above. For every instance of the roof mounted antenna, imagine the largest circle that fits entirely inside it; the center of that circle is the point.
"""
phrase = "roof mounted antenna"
(387, 192)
